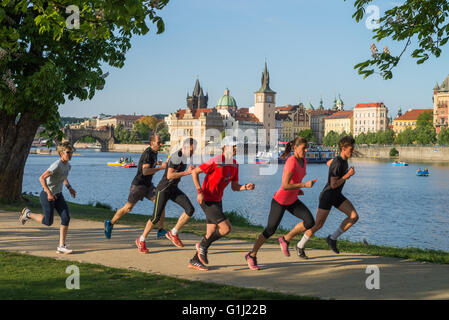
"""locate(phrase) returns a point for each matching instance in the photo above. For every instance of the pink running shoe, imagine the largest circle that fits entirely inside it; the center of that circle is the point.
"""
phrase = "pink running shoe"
(252, 262)
(284, 246)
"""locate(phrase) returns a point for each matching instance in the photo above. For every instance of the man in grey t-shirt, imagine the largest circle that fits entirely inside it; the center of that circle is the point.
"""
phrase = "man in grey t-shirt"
(51, 197)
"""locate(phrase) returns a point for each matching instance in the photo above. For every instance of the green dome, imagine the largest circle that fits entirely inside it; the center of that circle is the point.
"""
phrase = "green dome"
(227, 100)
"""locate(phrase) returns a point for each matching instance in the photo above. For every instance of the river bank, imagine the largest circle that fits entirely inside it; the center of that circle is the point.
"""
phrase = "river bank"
(431, 154)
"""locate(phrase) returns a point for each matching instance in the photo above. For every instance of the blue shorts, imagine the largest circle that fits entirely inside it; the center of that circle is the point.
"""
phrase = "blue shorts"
(49, 207)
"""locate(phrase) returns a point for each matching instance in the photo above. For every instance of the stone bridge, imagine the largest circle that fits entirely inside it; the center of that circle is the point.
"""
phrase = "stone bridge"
(104, 136)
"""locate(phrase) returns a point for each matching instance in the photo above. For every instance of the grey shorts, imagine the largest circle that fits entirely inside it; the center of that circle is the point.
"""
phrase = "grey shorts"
(137, 193)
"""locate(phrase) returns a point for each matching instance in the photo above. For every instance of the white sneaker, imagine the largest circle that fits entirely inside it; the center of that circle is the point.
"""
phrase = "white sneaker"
(63, 249)
(23, 217)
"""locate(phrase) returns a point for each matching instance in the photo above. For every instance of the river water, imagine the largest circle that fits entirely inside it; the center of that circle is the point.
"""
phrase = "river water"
(396, 207)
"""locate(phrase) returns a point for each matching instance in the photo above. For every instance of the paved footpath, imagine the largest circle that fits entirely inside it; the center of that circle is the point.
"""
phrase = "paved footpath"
(325, 274)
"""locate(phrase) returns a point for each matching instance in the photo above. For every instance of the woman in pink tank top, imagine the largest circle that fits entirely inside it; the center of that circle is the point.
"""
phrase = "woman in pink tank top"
(286, 198)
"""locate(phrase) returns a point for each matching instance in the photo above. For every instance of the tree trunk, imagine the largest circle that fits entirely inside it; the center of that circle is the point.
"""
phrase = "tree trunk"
(15, 144)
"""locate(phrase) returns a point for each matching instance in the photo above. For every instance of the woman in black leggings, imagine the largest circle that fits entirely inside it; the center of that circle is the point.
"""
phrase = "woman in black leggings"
(286, 198)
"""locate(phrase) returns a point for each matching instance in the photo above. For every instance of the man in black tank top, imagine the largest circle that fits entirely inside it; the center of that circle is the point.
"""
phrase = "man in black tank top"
(142, 185)
(332, 196)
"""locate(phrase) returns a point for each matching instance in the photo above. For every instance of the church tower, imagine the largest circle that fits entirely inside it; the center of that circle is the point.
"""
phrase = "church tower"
(198, 100)
(264, 104)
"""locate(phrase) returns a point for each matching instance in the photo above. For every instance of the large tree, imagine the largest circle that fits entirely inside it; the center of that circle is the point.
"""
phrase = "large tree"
(421, 24)
(49, 53)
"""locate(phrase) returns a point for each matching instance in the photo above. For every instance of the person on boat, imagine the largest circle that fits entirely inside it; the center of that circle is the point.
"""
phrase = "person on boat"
(168, 189)
(332, 196)
(121, 160)
(418, 170)
(141, 186)
(126, 159)
(286, 198)
(426, 171)
(51, 197)
(220, 171)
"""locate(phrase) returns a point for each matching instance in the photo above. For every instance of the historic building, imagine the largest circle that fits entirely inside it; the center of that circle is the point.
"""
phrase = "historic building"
(193, 123)
(339, 122)
(408, 119)
(126, 120)
(264, 104)
(295, 122)
(197, 100)
(317, 123)
(370, 117)
(238, 120)
(441, 105)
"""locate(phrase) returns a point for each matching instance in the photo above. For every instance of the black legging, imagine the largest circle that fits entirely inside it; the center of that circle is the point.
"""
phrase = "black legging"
(297, 208)
(175, 195)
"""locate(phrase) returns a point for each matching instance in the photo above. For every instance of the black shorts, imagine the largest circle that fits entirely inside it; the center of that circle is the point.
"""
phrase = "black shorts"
(329, 199)
(174, 194)
(214, 212)
(138, 192)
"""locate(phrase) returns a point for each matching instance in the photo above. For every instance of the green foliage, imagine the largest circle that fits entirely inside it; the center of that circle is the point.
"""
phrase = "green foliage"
(307, 134)
(87, 140)
(422, 21)
(361, 138)
(121, 135)
(425, 135)
(425, 119)
(44, 62)
(142, 130)
(405, 137)
(443, 136)
(331, 139)
(394, 152)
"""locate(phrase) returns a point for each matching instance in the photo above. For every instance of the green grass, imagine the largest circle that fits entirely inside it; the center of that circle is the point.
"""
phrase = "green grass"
(30, 277)
(242, 229)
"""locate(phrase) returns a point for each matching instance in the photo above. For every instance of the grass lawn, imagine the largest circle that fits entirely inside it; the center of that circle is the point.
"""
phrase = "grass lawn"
(30, 277)
(241, 229)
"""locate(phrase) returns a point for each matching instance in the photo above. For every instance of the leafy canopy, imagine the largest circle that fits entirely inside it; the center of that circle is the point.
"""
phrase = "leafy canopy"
(420, 22)
(44, 60)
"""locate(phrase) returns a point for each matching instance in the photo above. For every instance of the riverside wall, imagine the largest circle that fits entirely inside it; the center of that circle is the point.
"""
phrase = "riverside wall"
(409, 153)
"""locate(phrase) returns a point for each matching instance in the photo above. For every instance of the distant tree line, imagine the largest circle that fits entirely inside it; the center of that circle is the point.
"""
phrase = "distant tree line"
(424, 133)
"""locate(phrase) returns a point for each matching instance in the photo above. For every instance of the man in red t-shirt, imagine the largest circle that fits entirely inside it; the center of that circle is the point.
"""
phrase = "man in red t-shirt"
(220, 171)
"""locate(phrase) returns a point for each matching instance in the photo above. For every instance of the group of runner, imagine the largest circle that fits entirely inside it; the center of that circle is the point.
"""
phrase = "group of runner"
(219, 172)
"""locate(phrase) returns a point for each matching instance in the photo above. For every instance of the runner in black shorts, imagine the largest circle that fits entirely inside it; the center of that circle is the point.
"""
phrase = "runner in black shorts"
(167, 189)
(286, 198)
(220, 171)
(331, 196)
(142, 186)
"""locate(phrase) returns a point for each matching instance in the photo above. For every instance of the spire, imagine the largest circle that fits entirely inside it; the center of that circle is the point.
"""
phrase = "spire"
(321, 103)
(437, 87)
(399, 112)
(265, 86)
(196, 90)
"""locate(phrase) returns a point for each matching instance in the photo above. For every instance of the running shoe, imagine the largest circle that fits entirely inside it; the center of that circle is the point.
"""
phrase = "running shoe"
(141, 245)
(332, 244)
(202, 253)
(284, 246)
(108, 226)
(23, 217)
(197, 265)
(301, 253)
(161, 233)
(175, 239)
(63, 249)
(252, 262)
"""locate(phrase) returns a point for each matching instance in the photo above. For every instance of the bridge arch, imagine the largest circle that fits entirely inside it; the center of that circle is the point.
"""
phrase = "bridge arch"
(104, 135)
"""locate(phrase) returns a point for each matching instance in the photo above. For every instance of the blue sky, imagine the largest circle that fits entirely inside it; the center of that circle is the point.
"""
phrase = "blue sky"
(311, 48)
